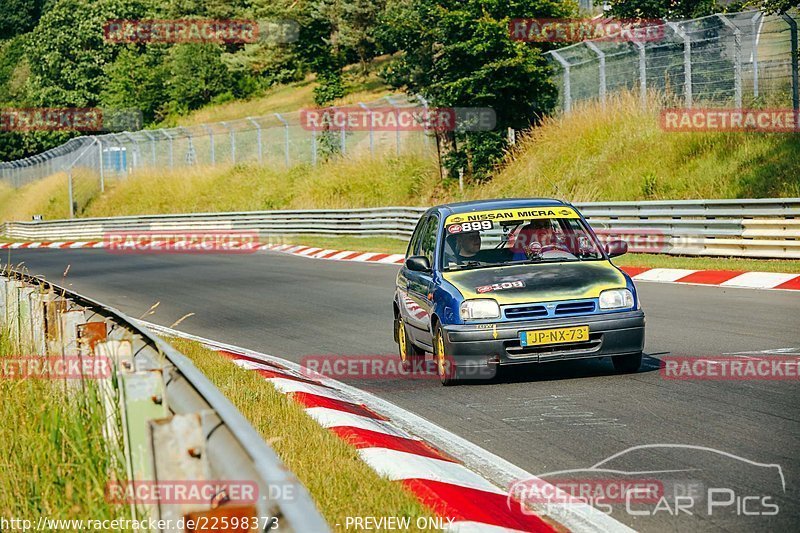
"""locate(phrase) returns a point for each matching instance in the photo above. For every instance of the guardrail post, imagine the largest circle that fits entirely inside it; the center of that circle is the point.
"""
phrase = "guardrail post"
(795, 83)
(567, 87)
(737, 59)
(601, 56)
(363, 106)
(687, 63)
(179, 453)
(285, 137)
(258, 138)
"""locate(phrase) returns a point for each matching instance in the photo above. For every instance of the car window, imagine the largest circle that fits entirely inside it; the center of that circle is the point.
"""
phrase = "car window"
(414, 242)
(427, 241)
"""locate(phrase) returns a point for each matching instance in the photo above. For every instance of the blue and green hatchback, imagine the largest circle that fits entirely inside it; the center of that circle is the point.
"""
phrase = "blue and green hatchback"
(515, 281)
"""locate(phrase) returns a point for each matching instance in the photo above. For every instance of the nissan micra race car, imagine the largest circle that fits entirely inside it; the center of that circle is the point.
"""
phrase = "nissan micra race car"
(509, 282)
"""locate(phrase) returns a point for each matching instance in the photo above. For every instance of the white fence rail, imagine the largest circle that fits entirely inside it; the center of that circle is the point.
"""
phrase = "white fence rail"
(765, 228)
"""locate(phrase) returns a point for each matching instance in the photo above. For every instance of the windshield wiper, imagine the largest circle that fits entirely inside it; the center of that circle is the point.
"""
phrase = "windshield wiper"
(468, 264)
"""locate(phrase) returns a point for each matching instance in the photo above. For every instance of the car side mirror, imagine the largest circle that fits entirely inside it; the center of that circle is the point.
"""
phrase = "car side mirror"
(616, 248)
(418, 263)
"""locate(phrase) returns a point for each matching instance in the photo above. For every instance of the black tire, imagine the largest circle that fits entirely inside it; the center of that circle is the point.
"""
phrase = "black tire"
(626, 364)
(411, 357)
(444, 366)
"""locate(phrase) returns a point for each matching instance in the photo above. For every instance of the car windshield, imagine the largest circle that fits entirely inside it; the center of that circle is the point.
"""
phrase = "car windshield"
(489, 243)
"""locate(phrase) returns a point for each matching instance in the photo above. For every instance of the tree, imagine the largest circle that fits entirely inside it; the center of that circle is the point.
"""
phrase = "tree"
(458, 53)
(137, 80)
(18, 16)
(196, 76)
(774, 6)
(664, 9)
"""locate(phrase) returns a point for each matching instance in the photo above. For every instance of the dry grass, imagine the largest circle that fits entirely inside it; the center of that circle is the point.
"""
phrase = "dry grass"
(54, 460)
(622, 154)
(339, 481)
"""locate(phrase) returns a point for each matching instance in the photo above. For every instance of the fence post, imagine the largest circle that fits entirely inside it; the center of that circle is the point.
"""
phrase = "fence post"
(258, 138)
(737, 60)
(211, 143)
(100, 163)
(567, 87)
(755, 25)
(314, 146)
(397, 124)
(233, 141)
(642, 73)
(602, 57)
(169, 137)
(363, 106)
(69, 187)
(424, 103)
(795, 87)
(687, 63)
(285, 137)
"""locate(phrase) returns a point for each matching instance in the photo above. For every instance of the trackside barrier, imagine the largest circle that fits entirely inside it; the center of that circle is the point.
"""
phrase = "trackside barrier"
(172, 422)
(765, 228)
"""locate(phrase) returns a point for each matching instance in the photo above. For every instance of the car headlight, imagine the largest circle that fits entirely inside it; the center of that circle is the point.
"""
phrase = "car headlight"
(616, 299)
(479, 309)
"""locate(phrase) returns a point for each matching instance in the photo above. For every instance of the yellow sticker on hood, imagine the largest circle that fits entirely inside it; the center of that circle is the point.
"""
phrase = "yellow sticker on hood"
(518, 213)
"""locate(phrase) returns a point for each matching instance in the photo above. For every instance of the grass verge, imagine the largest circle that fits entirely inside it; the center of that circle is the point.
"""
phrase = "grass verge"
(398, 246)
(54, 460)
(332, 471)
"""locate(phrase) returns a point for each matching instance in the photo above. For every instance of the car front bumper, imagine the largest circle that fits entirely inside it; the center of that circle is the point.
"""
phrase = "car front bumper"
(617, 333)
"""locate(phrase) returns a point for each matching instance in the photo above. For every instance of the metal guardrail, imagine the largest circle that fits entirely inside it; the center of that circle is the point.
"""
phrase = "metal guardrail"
(164, 402)
(766, 228)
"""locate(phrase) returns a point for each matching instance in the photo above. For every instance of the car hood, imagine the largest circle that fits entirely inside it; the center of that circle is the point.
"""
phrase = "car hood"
(544, 282)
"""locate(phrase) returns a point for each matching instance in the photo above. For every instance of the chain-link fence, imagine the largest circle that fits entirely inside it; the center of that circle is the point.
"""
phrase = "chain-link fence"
(279, 139)
(731, 59)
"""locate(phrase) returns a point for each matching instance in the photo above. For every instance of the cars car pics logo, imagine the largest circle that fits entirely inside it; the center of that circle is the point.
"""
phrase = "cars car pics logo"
(516, 284)
(454, 228)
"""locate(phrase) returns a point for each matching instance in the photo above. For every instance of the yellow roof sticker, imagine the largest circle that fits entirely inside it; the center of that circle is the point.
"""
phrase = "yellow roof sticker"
(519, 213)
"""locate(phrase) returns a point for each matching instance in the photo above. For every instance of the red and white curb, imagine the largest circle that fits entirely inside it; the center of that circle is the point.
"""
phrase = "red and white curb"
(720, 278)
(453, 477)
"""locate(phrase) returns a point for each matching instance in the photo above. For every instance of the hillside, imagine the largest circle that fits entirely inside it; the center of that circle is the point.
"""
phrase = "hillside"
(589, 155)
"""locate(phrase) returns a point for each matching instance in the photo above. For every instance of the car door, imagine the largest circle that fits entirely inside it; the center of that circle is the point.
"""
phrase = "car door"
(420, 286)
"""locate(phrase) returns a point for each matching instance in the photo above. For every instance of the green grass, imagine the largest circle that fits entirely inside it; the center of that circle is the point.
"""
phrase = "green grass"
(334, 474)
(54, 460)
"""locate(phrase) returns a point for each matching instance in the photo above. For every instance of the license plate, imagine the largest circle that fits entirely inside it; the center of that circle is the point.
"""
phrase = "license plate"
(554, 336)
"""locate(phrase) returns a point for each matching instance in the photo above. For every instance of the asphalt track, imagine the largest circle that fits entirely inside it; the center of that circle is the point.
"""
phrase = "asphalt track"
(567, 415)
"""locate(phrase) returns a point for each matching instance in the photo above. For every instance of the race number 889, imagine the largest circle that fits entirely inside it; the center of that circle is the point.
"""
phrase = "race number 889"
(476, 226)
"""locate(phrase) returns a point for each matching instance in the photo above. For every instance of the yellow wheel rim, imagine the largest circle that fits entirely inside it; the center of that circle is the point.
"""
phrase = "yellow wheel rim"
(440, 354)
(401, 339)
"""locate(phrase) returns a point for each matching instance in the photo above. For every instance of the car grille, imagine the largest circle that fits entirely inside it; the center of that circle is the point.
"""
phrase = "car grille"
(526, 311)
(549, 309)
(573, 308)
